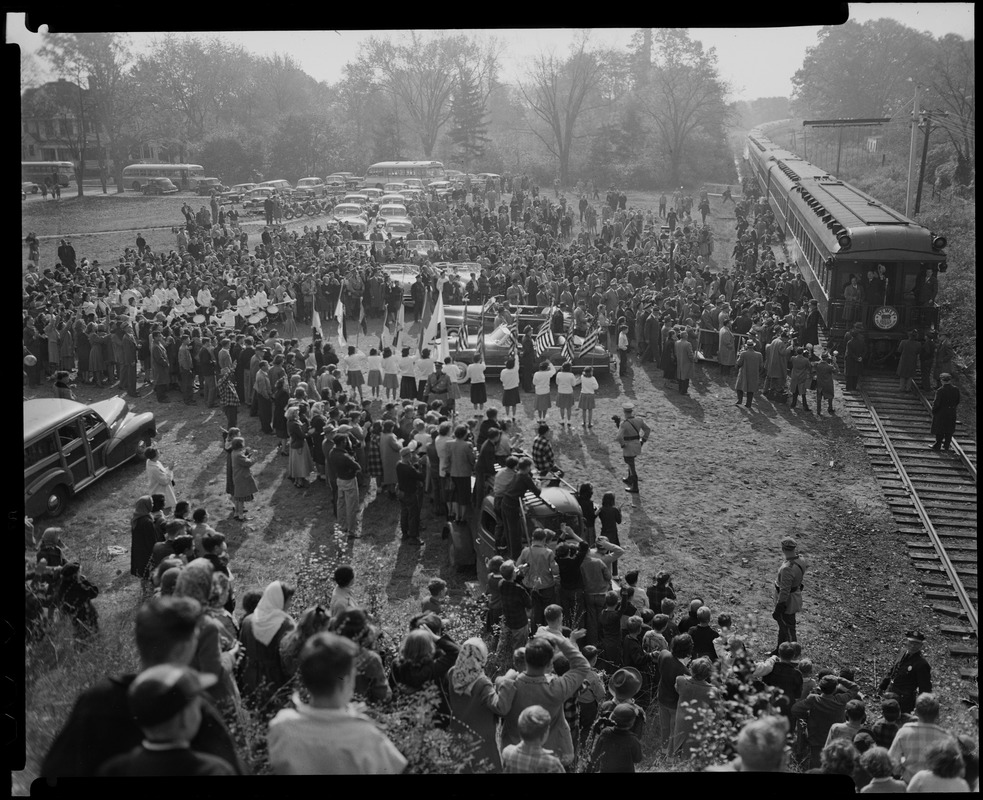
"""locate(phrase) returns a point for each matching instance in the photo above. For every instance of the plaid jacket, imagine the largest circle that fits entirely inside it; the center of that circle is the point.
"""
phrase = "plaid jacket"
(227, 393)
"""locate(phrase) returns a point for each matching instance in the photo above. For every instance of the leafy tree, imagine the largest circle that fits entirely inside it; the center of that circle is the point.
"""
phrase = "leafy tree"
(388, 138)
(555, 92)
(68, 104)
(953, 85)
(858, 71)
(104, 59)
(304, 145)
(684, 100)
(232, 160)
(469, 129)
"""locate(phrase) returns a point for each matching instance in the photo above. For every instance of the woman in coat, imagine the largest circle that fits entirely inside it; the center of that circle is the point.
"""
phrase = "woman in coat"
(727, 354)
(800, 379)
(424, 659)
(696, 697)
(370, 675)
(280, 398)
(668, 362)
(195, 581)
(243, 485)
(748, 373)
(389, 447)
(527, 360)
(301, 463)
(66, 347)
(160, 479)
(83, 350)
(227, 437)
(143, 537)
(474, 702)
(261, 634)
(98, 341)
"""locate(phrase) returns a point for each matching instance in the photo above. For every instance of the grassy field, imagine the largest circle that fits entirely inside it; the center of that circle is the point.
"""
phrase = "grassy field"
(720, 487)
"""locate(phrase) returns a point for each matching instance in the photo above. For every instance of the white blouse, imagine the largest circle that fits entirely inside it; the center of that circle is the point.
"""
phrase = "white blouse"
(541, 380)
(375, 363)
(510, 378)
(476, 373)
(390, 366)
(588, 385)
(565, 381)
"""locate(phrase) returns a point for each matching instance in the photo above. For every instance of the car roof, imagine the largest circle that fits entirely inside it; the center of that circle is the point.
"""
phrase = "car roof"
(46, 414)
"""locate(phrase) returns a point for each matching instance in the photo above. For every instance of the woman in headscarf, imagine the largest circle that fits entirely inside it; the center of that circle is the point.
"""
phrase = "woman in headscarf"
(268, 624)
(314, 620)
(195, 581)
(370, 675)
(143, 537)
(301, 464)
(474, 702)
(50, 548)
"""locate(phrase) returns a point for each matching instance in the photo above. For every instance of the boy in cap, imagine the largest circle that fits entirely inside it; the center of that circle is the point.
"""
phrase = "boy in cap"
(165, 701)
(617, 748)
(623, 685)
(327, 736)
(529, 756)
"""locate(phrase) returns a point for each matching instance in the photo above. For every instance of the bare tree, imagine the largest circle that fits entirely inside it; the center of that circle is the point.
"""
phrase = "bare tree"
(556, 91)
(684, 96)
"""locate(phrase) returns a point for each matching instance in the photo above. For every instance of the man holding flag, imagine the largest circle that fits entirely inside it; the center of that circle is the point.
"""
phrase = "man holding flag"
(339, 313)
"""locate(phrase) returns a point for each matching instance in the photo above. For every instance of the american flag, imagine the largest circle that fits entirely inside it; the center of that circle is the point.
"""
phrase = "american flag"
(513, 339)
(544, 339)
(590, 340)
(479, 348)
(569, 351)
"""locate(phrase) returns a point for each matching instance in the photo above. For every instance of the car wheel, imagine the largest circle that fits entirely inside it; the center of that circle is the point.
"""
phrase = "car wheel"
(57, 501)
(35, 190)
(135, 186)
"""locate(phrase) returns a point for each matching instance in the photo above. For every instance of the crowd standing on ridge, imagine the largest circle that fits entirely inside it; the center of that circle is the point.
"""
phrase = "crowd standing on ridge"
(572, 662)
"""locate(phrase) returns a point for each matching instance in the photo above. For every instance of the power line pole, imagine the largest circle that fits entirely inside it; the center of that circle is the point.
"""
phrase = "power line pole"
(839, 149)
(911, 153)
(921, 171)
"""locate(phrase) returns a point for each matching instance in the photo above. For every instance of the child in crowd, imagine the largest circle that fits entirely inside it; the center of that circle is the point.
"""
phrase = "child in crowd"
(529, 756)
(438, 593)
(610, 518)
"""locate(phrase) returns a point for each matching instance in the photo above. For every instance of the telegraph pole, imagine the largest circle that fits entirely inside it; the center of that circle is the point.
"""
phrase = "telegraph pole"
(839, 149)
(921, 171)
(911, 153)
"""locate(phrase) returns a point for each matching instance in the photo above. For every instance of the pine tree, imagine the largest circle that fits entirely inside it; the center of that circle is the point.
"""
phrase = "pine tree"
(469, 122)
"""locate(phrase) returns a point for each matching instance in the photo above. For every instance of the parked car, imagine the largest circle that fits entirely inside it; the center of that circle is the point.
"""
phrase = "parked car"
(497, 345)
(159, 186)
(69, 445)
(256, 197)
(394, 188)
(237, 193)
(556, 506)
(392, 210)
(414, 183)
(398, 227)
(422, 247)
(357, 197)
(310, 187)
(282, 186)
(207, 185)
(27, 187)
(440, 188)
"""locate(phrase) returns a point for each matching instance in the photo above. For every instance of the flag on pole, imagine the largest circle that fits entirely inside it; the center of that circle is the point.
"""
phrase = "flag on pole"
(316, 323)
(339, 313)
(479, 347)
(444, 348)
(433, 324)
(400, 324)
(513, 339)
(361, 316)
(463, 343)
(428, 310)
(590, 340)
(569, 351)
(544, 339)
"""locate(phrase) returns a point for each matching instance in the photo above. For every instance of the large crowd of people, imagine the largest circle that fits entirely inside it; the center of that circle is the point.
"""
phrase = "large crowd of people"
(570, 662)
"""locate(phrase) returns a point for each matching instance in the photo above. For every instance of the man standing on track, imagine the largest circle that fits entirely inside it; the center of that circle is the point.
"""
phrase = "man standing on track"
(788, 591)
(944, 413)
(632, 434)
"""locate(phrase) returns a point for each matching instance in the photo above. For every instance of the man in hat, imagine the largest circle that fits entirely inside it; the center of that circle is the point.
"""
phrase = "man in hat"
(788, 591)
(632, 434)
(102, 725)
(911, 674)
(165, 701)
(944, 413)
(944, 353)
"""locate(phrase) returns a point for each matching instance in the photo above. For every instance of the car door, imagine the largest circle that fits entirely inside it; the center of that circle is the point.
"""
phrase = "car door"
(97, 438)
(40, 457)
(75, 452)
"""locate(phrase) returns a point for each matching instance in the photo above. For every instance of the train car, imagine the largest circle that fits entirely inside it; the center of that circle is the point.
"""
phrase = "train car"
(838, 236)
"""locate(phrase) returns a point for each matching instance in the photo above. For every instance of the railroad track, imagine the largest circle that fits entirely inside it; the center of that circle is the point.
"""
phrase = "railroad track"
(932, 497)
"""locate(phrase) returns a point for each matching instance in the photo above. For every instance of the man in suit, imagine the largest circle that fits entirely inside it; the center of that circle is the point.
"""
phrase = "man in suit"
(944, 413)
(161, 365)
(128, 367)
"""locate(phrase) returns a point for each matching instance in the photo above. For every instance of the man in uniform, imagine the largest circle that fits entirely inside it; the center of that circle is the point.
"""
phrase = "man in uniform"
(788, 591)
(911, 674)
(944, 413)
(632, 434)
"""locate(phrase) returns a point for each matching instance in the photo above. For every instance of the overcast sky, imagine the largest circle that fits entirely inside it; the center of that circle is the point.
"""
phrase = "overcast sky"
(757, 62)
